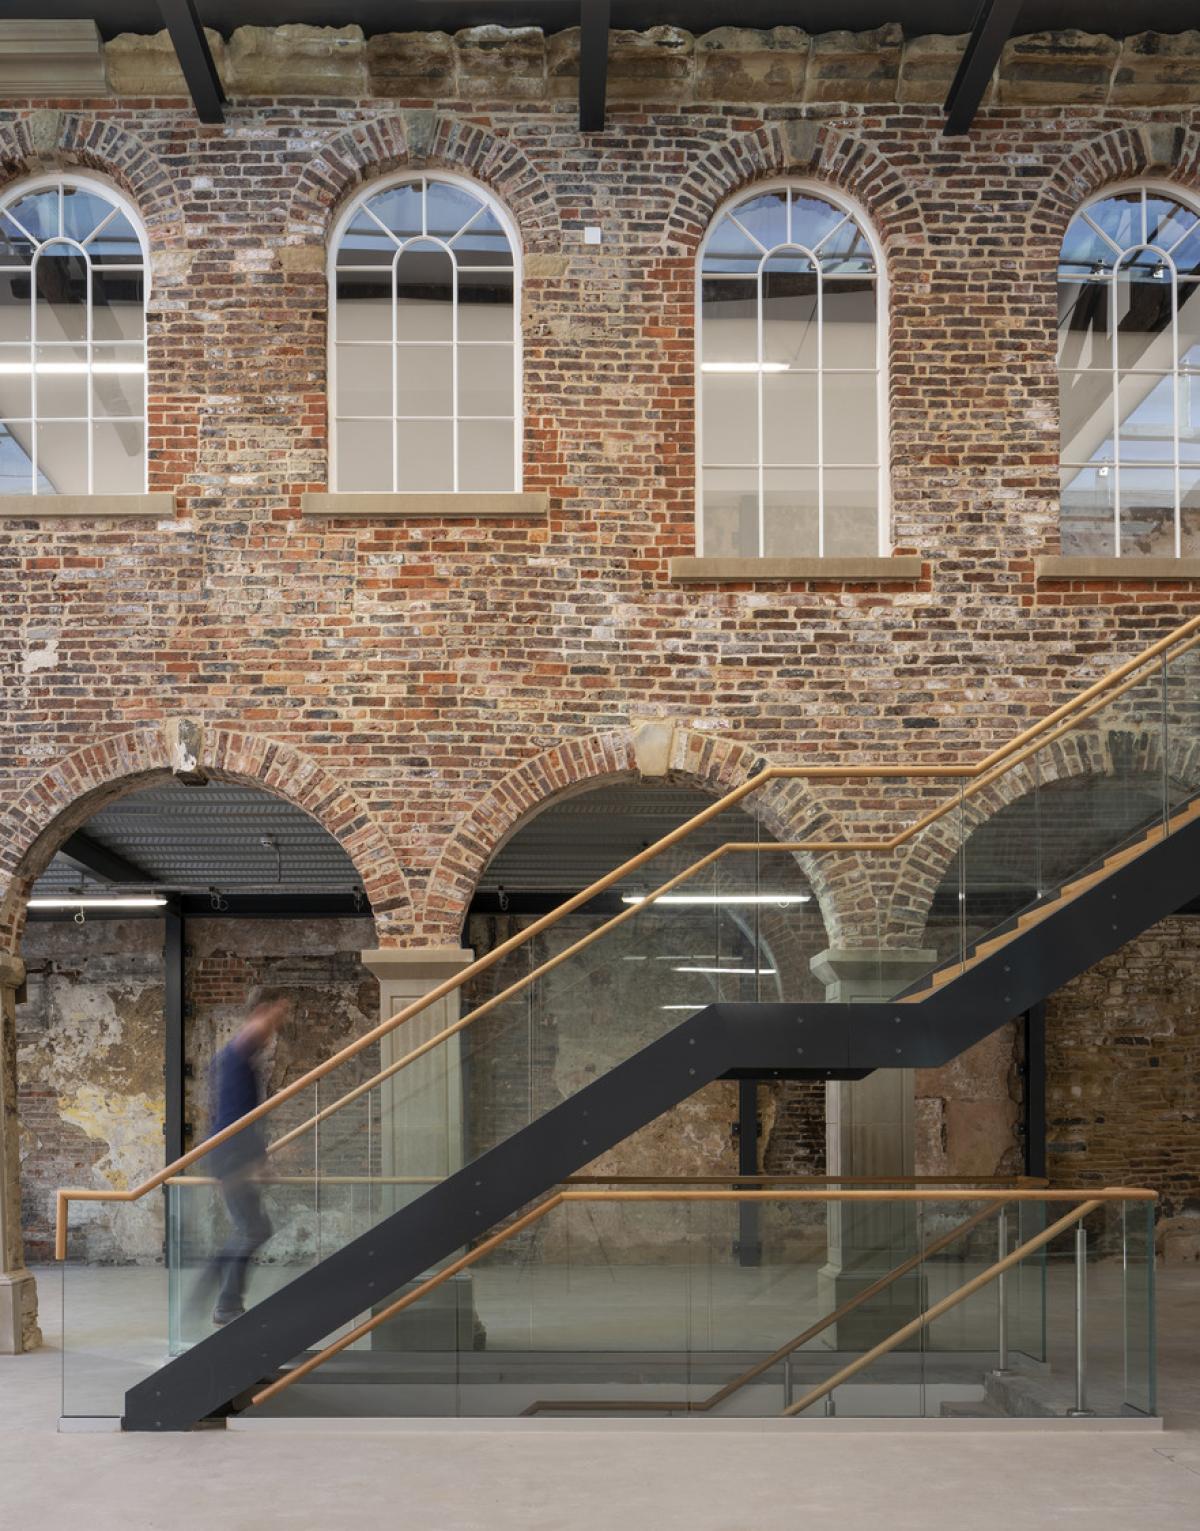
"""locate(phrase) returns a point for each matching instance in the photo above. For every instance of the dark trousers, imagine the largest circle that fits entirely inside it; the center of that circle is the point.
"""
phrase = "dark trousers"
(250, 1228)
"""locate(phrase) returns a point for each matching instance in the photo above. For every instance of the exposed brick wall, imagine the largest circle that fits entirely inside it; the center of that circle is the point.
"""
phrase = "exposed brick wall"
(1123, 1077)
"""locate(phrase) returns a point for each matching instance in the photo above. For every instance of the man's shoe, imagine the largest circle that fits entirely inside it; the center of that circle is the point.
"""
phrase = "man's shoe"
(223, 1316)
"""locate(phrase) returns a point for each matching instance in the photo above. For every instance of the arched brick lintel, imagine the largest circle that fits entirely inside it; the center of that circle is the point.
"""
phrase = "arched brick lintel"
(49, 140)
(1155, 151)
(788, 809)
(805, 149)
(71, 791)
(420, 140)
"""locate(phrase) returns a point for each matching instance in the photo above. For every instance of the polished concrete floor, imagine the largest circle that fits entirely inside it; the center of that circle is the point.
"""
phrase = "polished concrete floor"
(550, 1476)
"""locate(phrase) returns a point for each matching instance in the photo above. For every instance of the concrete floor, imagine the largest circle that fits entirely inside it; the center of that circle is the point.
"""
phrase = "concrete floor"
(548, 1476)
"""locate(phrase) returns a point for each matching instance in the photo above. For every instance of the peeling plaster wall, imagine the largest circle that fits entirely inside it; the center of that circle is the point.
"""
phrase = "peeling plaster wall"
(90, 1083)
(90, 1070)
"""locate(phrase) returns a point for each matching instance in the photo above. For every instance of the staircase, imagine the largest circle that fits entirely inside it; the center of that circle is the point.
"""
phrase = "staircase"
(445, 1195)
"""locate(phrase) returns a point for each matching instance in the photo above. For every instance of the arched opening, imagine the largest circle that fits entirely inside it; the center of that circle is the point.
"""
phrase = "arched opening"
(145, 936)
(743, 928)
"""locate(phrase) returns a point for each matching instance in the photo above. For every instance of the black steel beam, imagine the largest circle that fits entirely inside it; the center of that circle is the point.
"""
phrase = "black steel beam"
(90, 856)
(173, 1003)
(1035, 1090)
(594, 18)
(749, 1241)
(993, 26)
(191, 48)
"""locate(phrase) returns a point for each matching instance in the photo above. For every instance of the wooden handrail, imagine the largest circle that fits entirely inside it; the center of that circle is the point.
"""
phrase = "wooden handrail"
(975, 772)
(923, 1320)
(1093, 1200)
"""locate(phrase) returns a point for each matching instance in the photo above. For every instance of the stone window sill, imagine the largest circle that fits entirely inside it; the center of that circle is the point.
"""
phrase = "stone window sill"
(855, 571)
(1117, 568)
(403, 506)
(59, 507)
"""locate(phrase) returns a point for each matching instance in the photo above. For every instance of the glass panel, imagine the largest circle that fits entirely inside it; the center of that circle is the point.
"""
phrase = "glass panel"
(83, 210)
(364, 456)
(1167, 221)
(1189, 490)
(447, 208)
(116, 244)
(62, 382)
(790, 332)
(62, 456)
(363, 305)
(814, 220)
(765, 218)
(1120, 218)
(425, 453)
(730, 518)
(37, 214)
(118, 311)
(484, 243)
(1083, 246)
(364, 243)
(399, 209)
(485, 380)
(1147, 512)
(60, 277)
(730, 404)
(485, 455)
(729, 321)
(424, 380)
(118, 452)
(851, 512)
(364, 379)
(16, 383)
(485, 305)
(15, 310)
(789, 405)
(115, 1320)
(851, 417)
(1138, 1296)
(850, 338)
(118, 381)
(1146, 418)
(790, 512)
(16, 469)
(1086, 415)
(1083, 334)
(1143, 310)
(1088, 496)
(729, 246)
(424, 294)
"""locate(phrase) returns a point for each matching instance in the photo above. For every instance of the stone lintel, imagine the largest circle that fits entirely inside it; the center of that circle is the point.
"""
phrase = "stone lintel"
(905, 568)
(57, 507)
(1117, 568)
(436, 506)
(51, 58)
(436, 962)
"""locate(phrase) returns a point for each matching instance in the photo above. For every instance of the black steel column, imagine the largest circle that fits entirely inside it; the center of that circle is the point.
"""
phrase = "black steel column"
(1035, 1090)
(749, 1244)
(173, 1031)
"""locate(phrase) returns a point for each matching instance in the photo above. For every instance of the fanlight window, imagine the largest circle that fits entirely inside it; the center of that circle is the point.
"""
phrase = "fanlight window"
(72, 342)
(1129, 377)
(425, 343)
(791, 375)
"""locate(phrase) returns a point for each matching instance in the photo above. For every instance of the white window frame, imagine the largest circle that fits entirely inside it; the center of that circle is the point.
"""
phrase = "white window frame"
(120, 203)
(1180, 195)
(365, 195)
(855, 210)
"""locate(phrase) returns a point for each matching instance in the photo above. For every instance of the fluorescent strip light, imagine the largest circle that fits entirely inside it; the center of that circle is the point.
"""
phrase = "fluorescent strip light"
(681, 1007)
(132, 902)
(737, 972)
(780, 899)
(68, 368)
(743, 366)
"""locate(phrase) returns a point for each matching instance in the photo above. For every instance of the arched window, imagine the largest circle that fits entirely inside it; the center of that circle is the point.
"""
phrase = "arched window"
(1129, 376)
(792, 417)
(72, 340)
(425, 354)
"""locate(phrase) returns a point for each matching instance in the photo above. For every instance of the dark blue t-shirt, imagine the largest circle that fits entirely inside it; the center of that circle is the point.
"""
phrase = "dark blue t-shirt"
(233, 1090)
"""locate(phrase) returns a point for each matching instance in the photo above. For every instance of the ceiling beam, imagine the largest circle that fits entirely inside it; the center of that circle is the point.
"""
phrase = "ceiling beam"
(593, 63)
(191, 48)
(994, 22)
(90, 856)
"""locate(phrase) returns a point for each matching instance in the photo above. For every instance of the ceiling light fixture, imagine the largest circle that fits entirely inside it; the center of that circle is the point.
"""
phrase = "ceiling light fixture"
(68, 368)
(780, 900)
(744, 366)
(131, 902)
(734, 972)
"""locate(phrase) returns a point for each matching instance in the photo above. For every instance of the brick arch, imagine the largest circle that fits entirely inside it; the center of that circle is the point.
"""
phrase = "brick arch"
(822, 152)
(66, 141)
(422, 141)
(67, 795)
(1125, 154)
(788, 809)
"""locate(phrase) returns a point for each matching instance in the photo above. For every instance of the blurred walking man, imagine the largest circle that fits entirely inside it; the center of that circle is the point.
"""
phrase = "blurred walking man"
(236, 1088)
